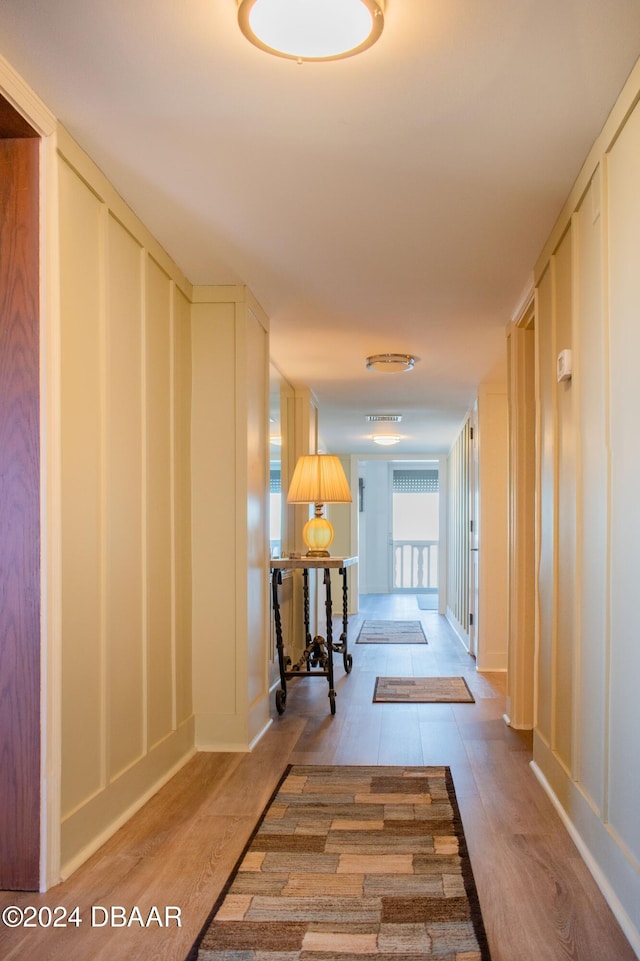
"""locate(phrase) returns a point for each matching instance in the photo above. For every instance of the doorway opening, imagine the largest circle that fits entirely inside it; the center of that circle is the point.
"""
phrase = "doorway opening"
(402, 506)
(415, 531)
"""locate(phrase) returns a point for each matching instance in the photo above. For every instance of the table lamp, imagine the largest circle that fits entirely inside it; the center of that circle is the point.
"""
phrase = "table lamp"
(318, 479)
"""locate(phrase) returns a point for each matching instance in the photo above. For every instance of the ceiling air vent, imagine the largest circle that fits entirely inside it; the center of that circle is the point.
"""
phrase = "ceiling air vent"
(383, 418)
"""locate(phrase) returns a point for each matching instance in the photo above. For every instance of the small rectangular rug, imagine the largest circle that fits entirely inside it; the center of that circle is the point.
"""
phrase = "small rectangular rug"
(352, 863)
(422, 690)
(391, 632)
(427, 602)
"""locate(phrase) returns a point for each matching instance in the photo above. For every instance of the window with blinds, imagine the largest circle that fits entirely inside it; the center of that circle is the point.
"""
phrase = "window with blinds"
(275, 484)
(415, 481)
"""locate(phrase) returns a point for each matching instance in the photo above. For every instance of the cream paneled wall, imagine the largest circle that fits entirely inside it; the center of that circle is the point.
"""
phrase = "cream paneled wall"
(521, 595)
(126, 546)
(492, 520)
(588, 656)
(123, 547)
(477, 579)
(546, 560)
(230, 480)
(624, 345)
(458, 586)
(591, 481)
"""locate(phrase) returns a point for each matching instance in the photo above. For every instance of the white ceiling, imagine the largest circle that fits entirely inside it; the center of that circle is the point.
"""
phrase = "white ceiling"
(392, 202)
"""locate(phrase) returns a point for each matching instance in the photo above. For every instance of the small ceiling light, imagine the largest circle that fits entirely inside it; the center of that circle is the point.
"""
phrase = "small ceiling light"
(386, 440)
(312, 29)
(390, 363)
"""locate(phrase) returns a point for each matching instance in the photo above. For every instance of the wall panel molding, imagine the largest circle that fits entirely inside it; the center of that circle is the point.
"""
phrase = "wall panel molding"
(91, 174)
(586, 852)
(521, 559)
(126, 665)
(588, 658)
(230, 543)
(25, 101)
(615, 123)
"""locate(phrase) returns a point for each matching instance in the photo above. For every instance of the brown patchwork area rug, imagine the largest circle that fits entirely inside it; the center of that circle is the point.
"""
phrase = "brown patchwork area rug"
(391, 632)
(422, 690)
(352, 863)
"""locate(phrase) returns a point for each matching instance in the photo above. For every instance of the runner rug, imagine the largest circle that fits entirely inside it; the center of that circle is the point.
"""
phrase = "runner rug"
(427, 602)
(391, 632)
(422, 690)
(352, 863)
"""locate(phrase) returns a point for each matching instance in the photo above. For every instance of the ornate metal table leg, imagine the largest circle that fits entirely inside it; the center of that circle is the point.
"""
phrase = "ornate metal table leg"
(328, 606)
(281, 693)
(305, 598)
(346, 657)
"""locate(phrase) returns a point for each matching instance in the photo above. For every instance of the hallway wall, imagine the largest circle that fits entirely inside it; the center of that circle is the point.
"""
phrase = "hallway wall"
(492, 523)
(458, 521)
(487, 602)
(230, 535)
(588, 555)
(125, 364)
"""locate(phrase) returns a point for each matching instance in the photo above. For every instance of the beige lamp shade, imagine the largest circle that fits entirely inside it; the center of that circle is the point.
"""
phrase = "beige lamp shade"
(318, 479)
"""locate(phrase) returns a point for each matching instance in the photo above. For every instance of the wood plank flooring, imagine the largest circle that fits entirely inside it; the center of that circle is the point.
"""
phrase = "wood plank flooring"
(538, 900)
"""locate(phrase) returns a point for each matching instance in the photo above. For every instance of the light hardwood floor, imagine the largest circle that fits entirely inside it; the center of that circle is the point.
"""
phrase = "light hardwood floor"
(538, 899)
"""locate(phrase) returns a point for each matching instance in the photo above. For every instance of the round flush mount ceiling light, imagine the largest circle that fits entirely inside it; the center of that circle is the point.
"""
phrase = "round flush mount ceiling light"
(390, 363)
(312, 29)
(386, 440)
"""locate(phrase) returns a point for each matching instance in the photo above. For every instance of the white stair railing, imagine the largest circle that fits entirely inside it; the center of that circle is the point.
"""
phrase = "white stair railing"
(415, 565)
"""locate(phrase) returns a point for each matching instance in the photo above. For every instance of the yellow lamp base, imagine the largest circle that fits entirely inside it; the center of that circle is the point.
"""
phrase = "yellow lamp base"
(317, 534)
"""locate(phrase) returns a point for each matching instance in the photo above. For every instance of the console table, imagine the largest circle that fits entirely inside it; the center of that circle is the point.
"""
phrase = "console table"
(317, 657)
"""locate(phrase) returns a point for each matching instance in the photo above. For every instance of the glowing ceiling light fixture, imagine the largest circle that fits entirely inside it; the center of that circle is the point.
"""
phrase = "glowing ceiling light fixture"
(390, 363)
(312, 29)
(385, 440)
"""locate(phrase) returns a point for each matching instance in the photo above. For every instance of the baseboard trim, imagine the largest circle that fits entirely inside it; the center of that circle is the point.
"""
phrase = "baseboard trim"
(260, 734)
(630, 931)
(233, 747)
(74, 863)
(515, 727)
(458, 630)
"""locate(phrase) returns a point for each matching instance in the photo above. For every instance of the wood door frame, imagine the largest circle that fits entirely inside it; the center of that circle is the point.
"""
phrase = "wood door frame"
(34, 117)
(20, 538)
(522, 494)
